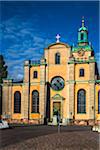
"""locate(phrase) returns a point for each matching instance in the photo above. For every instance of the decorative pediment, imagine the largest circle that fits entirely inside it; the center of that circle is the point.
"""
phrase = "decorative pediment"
(58, 97)
(57, 45)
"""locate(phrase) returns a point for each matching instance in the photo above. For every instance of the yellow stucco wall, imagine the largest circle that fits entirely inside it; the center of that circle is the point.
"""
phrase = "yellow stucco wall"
(86, 88)
(35, 85)
(19, 115)
(34, 115)
(86, 72)
(53, 70)
(97, 90)
(14, 89)
(57, 70)
(32, 69)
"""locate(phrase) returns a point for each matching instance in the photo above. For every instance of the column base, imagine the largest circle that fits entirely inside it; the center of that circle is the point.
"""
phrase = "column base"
(67, 121)
(90, 122)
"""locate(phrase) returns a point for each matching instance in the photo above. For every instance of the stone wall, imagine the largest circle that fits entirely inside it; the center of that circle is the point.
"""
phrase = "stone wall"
(25, 95)
(42, 91)
(7, 99)
(70, 92)
(92, 91)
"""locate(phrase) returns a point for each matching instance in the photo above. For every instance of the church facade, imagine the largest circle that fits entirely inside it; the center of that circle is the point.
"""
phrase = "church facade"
(65, 82)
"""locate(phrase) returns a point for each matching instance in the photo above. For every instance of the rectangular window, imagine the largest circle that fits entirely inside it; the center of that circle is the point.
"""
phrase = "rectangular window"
(57, 58)
(81, 73)
(35, 74)
(82, 36)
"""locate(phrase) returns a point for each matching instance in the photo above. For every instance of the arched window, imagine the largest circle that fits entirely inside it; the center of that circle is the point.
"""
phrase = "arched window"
(99, 102)
(81, 72)
(17, 102)
(57, 58)
(35, 74)
(81, 101)
(35, 101)
(82, 36)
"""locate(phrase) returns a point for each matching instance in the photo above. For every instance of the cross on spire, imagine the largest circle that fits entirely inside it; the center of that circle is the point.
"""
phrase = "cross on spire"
(83, 21)
(57, 37)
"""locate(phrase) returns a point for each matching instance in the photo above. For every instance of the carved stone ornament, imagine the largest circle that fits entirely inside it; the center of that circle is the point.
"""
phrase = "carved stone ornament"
(81, 52)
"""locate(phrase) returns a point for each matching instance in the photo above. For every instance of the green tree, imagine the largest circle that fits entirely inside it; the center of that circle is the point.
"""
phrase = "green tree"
(3, 69)
(3, 74)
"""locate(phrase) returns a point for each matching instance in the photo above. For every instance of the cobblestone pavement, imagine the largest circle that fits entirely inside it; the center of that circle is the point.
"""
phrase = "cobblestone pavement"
(48, 138)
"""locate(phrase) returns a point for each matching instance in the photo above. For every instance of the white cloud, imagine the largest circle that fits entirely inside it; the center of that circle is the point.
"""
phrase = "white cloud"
(25, 42)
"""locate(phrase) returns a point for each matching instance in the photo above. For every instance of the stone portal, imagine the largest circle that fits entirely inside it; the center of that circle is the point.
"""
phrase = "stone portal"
(56, 112)
(56, 108)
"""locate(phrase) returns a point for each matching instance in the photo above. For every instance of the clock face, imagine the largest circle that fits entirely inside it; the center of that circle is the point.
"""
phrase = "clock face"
(81, 52)
(57, 83)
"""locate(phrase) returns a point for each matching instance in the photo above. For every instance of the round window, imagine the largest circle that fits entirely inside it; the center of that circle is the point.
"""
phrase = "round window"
(57, 83)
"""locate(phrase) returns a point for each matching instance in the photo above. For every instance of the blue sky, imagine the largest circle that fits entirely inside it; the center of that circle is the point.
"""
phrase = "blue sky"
(26, 28)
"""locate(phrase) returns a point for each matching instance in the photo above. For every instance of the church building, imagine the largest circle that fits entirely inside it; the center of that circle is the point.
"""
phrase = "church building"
(65, 82)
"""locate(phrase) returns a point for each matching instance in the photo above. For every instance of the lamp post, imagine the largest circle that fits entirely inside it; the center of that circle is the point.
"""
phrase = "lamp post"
(58, 121)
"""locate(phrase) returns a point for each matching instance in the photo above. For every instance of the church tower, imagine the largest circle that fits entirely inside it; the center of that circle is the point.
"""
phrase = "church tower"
(83, 34)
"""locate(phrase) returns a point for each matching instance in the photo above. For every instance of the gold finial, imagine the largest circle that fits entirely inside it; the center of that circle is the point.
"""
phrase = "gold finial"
(83, 21)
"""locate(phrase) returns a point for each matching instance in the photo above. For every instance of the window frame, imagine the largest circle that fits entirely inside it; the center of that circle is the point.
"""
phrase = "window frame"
(35, 74)
(17, 107)
(81, 74)
(81, 106)
(57, 58)
(99, 102)
(35, 104)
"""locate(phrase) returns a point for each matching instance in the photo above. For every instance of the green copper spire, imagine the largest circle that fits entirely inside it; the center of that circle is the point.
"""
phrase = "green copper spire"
(82, 34)
(83, 28)
(83, 22)
(82, 39)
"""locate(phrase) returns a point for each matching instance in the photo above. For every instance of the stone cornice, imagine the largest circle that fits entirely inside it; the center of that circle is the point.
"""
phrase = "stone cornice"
(83, 81)
(58, 97)
(81, 61)
(60, 43)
